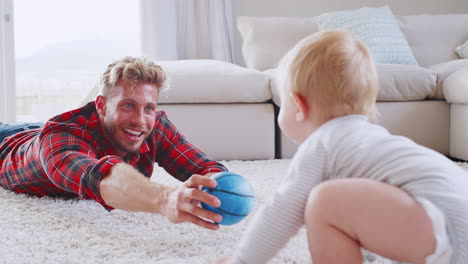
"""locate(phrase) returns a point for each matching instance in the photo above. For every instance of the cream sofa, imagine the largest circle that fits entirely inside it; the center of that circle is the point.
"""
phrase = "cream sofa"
(222, 108)
(411, 99)
(230, 111)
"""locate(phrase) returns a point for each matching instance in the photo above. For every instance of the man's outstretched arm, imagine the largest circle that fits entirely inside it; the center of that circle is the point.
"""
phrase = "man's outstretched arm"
(126, 189)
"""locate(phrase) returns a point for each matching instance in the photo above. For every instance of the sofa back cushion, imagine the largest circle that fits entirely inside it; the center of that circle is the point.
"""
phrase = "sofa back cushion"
(267, 39)
(433, 38)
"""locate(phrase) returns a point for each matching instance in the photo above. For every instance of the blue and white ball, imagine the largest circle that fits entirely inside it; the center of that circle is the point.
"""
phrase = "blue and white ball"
(236, 195)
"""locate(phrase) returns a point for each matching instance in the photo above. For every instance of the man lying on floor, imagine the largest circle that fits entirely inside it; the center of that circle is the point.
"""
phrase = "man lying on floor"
(106, 150)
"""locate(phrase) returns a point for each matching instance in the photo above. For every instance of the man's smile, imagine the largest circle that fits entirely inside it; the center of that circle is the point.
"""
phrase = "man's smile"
(133, 135)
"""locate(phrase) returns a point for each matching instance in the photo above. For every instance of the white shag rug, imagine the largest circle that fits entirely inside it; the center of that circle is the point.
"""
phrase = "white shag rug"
(46, 230)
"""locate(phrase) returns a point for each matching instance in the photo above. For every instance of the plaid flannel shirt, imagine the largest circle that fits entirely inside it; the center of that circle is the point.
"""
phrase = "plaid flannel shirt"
(69, 156)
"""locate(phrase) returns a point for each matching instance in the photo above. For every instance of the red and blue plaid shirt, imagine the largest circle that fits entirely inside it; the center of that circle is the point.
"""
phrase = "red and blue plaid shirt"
(69, 156)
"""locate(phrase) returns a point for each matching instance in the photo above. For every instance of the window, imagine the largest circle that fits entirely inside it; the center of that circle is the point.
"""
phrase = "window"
(62, 48)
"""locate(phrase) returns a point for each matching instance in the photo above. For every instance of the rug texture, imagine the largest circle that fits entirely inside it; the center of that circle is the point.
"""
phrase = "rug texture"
(46, 230)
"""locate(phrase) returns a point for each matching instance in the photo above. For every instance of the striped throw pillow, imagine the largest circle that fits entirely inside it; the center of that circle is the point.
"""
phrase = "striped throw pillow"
(377, 28)
(462, 50)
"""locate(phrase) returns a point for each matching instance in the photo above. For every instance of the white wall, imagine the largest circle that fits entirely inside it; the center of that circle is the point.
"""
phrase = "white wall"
(310, 8)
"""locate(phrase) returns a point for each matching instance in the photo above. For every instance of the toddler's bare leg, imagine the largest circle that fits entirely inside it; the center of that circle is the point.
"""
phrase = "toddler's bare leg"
(343, 215)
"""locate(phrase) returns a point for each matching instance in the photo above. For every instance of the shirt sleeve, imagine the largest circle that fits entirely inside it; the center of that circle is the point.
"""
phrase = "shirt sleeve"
(281, 218)
(71, 164)
(177, 156)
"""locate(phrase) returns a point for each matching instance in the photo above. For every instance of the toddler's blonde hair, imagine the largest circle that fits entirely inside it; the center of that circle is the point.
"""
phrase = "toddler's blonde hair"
(334, 71)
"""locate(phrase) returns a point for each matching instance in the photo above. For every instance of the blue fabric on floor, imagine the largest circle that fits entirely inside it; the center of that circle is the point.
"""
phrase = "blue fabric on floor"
(7, 130)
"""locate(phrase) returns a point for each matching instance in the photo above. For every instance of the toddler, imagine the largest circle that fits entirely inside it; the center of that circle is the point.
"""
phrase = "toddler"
(351, 183)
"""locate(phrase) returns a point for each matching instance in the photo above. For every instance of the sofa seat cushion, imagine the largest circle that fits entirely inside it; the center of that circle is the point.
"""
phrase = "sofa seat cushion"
(405, 83)
(444, 70)
(212, 81)
(397, 83)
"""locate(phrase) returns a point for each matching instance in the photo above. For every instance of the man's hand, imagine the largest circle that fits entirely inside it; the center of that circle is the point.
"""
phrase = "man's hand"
(127, 189)
(183, 203)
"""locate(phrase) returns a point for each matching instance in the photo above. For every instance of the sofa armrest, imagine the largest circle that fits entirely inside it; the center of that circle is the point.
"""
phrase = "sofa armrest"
(455, 87)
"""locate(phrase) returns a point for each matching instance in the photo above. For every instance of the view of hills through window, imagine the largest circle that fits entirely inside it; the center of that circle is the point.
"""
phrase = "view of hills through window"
(62, 48)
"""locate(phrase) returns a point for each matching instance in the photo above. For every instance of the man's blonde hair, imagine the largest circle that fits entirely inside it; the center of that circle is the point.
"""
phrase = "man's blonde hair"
(335, 72)
(131, 71)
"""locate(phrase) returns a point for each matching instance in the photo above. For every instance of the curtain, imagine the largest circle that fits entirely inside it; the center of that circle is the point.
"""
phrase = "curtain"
(7, 63)
(187, 29)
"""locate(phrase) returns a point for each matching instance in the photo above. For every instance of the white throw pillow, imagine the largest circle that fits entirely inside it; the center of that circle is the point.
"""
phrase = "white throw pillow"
(377, 28)
(462, 50)
(267, 39)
